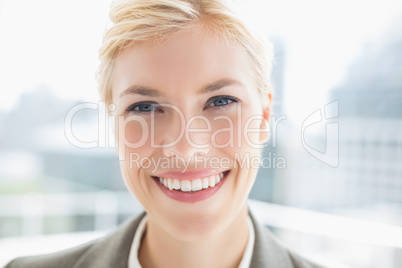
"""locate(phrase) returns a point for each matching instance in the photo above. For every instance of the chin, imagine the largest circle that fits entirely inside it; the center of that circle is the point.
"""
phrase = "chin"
(195, 229)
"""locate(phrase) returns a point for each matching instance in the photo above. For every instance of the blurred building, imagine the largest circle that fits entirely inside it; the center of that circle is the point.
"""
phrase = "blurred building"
(36, 126)
(369, 175)
(366, 183)
(370, 107)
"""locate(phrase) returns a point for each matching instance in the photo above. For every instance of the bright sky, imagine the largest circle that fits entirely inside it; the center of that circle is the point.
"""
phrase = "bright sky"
(52, 43)
(322, 38)
(55, 43)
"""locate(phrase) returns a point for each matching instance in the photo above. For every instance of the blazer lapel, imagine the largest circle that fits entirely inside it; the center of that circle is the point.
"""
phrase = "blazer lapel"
(112, 251)
(268, 252)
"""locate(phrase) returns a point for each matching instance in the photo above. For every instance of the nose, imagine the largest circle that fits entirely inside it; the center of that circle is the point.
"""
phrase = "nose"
(186, 136)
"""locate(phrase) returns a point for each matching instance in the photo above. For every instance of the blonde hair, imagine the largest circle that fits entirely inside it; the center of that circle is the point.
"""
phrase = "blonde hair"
(135, 21)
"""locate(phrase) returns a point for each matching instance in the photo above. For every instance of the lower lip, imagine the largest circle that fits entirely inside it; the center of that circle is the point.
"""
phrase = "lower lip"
(191, 197)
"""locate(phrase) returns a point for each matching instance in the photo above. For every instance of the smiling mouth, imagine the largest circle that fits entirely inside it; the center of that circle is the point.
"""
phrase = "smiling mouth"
(194, 185)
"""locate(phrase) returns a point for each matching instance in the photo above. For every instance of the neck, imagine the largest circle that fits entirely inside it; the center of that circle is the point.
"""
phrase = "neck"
(225, 249)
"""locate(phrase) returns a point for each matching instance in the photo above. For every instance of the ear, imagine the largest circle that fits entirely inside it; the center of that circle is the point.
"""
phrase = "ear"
(264, 126)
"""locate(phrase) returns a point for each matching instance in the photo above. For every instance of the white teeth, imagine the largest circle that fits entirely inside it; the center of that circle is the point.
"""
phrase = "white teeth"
(170, 183)
(193, 185)
(196, 185)
(217, 179)
(205, 183)
(185, 186)
(211, 180)
(176, 184)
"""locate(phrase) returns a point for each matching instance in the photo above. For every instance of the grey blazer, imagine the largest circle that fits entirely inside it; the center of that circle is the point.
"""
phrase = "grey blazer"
(113, 250)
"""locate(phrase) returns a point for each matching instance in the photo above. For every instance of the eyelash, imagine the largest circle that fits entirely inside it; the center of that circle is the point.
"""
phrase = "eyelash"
(218, 98)
(134, 108)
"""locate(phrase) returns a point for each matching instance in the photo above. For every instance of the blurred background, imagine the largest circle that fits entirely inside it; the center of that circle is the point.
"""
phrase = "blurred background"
(331, 182)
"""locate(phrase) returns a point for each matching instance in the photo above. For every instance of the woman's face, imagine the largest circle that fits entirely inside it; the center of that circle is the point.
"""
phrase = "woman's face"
(188, 115)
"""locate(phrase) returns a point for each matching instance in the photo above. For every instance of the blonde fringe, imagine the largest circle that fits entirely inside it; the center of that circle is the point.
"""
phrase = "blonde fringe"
(135, 21)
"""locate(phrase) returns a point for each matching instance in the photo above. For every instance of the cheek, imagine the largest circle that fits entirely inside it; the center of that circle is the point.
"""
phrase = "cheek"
(224, 132)
(134, 133)
(236, 133)
(251, 130)
(133, 137)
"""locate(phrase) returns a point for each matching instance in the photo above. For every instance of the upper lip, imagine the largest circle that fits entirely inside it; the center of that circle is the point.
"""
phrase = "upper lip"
(189, 175)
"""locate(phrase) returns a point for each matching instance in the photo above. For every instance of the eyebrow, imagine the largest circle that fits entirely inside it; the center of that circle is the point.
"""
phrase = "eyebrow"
(219, 84)
(152, 92)
(142, 90)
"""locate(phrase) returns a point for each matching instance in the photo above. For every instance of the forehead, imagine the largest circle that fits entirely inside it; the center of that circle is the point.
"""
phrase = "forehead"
(186, 62)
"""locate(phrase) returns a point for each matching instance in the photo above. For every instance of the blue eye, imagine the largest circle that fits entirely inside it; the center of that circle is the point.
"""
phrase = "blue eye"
(143, 107)
(220, 101)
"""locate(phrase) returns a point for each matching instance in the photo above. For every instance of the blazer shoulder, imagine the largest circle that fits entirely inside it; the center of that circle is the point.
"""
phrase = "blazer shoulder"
(65, 258)
(301, 262)
(111, 250)
(270, 252)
